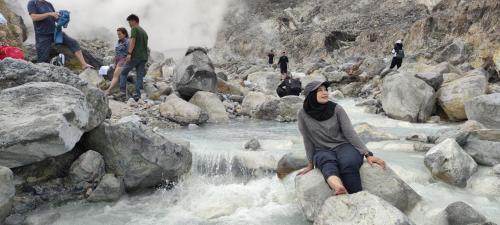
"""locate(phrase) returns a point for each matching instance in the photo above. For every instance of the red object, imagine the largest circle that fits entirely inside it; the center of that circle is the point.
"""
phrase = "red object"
(11, 52)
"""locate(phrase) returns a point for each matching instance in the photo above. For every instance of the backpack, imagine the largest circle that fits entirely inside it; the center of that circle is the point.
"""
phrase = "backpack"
(289, 87)
(11, 52)
(400, 54)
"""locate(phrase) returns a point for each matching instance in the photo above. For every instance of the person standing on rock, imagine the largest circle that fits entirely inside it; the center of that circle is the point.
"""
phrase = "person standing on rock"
(270, 55)
(330, 141)
(137, 57)
(121, 52)
(283, 63)
(44, 19)
(397, 54)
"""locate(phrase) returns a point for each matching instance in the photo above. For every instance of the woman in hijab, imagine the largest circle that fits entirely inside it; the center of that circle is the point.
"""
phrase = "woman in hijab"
(330, 141)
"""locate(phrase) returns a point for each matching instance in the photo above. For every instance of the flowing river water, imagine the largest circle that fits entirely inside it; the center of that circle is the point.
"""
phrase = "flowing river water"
(217, 191)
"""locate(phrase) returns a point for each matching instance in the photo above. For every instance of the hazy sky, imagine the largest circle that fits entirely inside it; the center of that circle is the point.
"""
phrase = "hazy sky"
(171, 24)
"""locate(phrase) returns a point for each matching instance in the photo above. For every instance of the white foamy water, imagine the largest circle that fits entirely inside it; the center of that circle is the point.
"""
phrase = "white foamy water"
(218, 191)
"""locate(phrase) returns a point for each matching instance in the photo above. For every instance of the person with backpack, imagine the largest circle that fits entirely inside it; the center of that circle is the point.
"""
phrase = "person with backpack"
(137, 56)
(283, 63)
(289, 86)
(397, 54)
(121, 52)
(331, 143)
(44, 19)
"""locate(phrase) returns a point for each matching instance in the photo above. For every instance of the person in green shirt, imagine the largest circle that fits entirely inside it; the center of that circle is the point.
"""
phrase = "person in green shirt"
(136, 58)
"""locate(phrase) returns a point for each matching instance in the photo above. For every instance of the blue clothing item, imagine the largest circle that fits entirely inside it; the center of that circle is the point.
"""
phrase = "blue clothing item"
(44, 44)
(121, 48)
(344, 162)
(46, 26)
(140, 68)
(2, 19)
(63, 21)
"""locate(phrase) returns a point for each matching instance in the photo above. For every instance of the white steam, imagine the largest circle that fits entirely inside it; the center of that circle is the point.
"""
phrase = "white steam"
(171, 24)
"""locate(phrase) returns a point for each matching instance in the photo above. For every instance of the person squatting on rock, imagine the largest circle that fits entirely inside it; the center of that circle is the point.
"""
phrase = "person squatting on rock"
(44, 19)
(331, 144)
(397, 54)
(137, 56)
(121, 52)
(283, 63)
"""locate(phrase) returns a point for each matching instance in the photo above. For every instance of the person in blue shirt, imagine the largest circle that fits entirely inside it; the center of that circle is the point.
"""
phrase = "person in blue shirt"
(44, 18)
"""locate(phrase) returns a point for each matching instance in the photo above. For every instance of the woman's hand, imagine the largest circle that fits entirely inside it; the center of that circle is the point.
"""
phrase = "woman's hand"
(306, 169)
(375, 160)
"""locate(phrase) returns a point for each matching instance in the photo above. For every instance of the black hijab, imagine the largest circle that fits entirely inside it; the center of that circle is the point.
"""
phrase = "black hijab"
(316, 110)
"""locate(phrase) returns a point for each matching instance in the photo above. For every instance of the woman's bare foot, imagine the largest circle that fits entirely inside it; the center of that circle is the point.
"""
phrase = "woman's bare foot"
(336, 184)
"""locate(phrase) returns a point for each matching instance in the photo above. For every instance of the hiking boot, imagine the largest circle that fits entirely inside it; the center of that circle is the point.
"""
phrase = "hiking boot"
(136, 98)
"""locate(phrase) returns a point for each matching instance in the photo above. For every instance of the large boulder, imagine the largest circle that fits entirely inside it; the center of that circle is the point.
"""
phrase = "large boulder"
(290, 162)
(460, 213)
(361, 208)
(251, 103)
(7, 192)
(283, 109)
(456, 53)
(91, 76)
(40, 120)
(407, 98)
(445, 67)
(89, 167)
(266, 82)
(459, 134)
(210, 103)
(229, 88)
(310, 78)
(16, 72)
(484, 147)
(312, 191)
(195, 73)
(485, 109)
(385, 184)
(369, 133)
(142, 157)
(109, 189)
(453, 95)
(448, 162)
(180, 111)
(433, 79)
(485, 182)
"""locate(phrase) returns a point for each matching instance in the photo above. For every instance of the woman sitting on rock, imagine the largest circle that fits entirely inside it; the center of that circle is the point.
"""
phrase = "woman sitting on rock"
(121, 51)
(330, 141)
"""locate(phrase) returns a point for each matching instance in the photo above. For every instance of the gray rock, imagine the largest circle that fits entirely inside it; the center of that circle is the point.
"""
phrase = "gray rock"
(222, 76)
(373, 66)
(432, 79)
(407, 98)
(418, 137)
(312, 191)
(195, 73)
(290, 162)
(15, 219)
(361, 208)
(453, 95)
(251, 103)
(89, 167)
(91, 76)
(182, 112)
(284, 109)
(210, 103)
(40, 120)
(484, 150)
(369, 133)
(460, 213)
(43, 219)
(445, 67)
(337, 94)
(142, 157)
(459, 134)
(352, 89)
(496, 169)
(7, 192)
(267, 82)
(485, 109)
(253, 145)
(385, 184)
(133, 118)
(423, 147)
(109, 189)
(448, 162)
(17, 72)
(485, 182)
(456, 53)
(310, 78)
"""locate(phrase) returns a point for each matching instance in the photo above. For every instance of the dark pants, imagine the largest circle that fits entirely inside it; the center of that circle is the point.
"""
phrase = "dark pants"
(396, 62)
(344, 161)
(140, 68)
(44, 43)
(284, 69)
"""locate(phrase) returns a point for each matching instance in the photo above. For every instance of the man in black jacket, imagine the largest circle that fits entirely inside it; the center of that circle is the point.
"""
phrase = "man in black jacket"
(283, 62)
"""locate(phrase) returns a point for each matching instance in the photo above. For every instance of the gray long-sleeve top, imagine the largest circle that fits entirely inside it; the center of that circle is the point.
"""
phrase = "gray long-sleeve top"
(328, 134)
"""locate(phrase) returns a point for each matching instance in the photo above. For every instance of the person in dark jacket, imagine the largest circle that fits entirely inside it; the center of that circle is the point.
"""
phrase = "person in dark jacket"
(283, 63)
(270, 56)
(44, 19)
(397, 54)
(330, 141)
